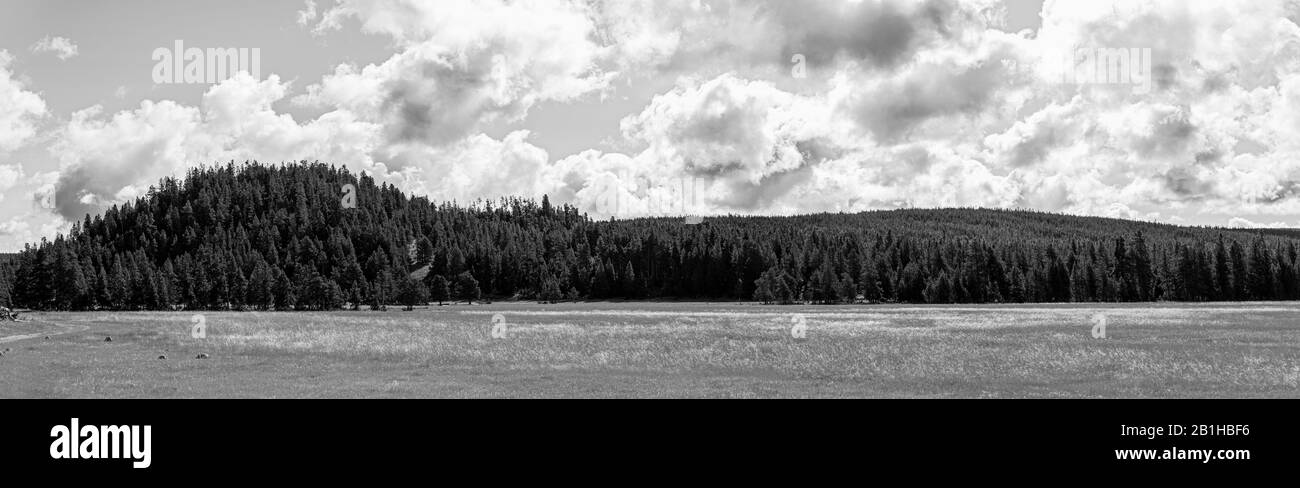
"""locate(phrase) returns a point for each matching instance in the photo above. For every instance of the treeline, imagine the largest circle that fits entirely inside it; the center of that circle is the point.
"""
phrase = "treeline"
(283, 238)
(6, 278)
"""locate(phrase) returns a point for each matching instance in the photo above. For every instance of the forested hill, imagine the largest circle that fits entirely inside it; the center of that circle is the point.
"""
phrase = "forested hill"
(280, 237)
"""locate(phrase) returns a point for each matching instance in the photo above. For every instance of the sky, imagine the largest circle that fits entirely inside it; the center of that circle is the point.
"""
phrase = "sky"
(1176, 111)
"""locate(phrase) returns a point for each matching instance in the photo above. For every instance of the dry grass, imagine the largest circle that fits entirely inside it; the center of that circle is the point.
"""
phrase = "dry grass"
(663, 349)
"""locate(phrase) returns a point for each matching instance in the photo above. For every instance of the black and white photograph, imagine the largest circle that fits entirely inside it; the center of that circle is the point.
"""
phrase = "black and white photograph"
(1009, 204)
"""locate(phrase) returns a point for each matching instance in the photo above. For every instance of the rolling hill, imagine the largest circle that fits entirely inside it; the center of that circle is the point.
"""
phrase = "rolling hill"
(254, 236)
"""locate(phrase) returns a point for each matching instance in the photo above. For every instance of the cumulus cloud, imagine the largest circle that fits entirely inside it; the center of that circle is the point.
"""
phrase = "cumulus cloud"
(469, 169)
(19, 109)
(733, 143)
(100, 157)
(461, 66)
(21, 230)
(14, 227)
(1206, 138)
(105, 159)
(415, 120)
(10, 174)
(308, 14)
(62, 47)
(728, 126)
(28, 222)
(1241, 223)
(889, 107)
(910, 104)
(687, 35)
(943, 108)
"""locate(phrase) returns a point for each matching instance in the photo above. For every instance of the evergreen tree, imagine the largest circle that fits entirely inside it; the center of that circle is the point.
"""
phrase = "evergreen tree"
(261, 237)
(1240, 273)
(763, 289)
(1223, 272)
(550, 291)
(412, 292)
(285, 295)
(1261, 276)
(846, 290)
(424, 252)
(467, 288)
(1143, 277)
(439, 289)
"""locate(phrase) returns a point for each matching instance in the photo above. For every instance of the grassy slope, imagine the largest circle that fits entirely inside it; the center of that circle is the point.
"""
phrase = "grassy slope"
(692, 350)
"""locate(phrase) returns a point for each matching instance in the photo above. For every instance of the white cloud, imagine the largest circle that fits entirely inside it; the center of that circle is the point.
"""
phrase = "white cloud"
(107, 159)
(10, 175)
(737, 144)
(1241, 223)
(466, 170)
(308, 14)
(462, 64)
(62, 47)
(727, 125)
(30, 228)
(909, 104)
(101, 156)
(19, 108)
(14, 227)
(26, 222)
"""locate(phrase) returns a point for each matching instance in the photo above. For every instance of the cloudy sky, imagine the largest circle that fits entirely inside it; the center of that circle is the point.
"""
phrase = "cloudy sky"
(636, 107)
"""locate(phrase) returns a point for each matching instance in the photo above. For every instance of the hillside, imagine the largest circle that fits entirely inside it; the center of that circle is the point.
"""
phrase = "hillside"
(278, 237)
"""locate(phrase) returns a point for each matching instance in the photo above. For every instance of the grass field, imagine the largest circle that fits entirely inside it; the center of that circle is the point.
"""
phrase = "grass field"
(664, 350)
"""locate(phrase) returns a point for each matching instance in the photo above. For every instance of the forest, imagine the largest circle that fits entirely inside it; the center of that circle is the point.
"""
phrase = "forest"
(284, 237)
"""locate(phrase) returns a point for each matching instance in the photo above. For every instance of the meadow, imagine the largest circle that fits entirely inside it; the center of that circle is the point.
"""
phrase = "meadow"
(610, 349)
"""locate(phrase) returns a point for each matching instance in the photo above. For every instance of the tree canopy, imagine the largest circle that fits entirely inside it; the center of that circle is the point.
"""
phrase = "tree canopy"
(254, 236)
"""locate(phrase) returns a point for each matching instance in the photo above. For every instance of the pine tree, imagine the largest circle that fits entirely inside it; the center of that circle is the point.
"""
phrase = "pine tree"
(1126, 289)
(378, 298)
(870, 283)
(550, 291)
(846, 290)
(285, 295)
(424, 252)
(1143, 276)
(1223, 272)
(467, 288)
(1240, 273)
(439, 289)
(412, 292)
(939, 289)
(763, 289)
(1261, 276)
(257, 237)
(121, 287)
(261, 292)
(631, 287)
